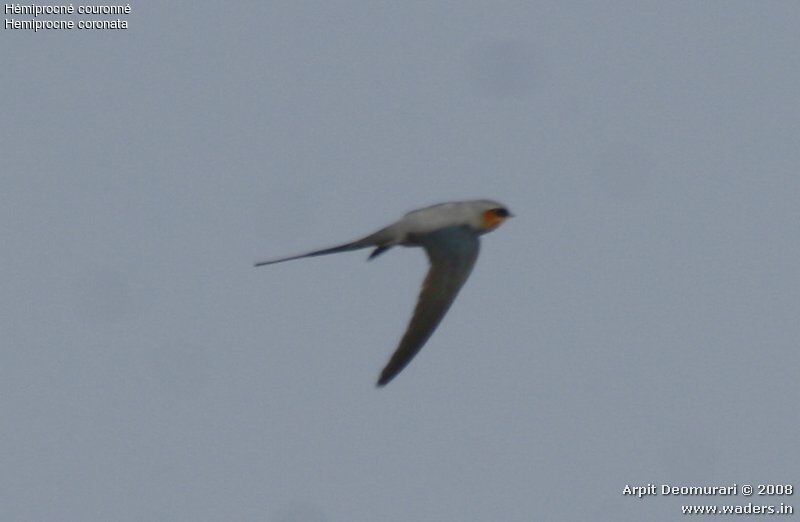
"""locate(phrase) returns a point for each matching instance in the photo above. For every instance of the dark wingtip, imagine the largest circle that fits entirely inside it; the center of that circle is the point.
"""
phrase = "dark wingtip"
(384, 380)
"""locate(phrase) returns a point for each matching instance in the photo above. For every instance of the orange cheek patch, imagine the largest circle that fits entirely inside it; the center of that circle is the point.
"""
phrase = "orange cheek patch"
(491, 220)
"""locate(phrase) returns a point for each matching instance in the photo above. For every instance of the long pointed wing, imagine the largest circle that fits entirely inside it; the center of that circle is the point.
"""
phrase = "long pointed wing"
(452, 253)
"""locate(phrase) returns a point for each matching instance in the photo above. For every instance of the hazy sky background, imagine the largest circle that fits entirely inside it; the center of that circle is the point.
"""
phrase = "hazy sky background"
(636, 323)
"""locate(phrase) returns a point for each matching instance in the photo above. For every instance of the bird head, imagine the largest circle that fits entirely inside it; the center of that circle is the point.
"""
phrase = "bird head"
(491, 215)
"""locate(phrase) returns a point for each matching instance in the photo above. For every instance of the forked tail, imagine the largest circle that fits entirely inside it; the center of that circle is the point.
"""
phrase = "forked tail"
(380, 239)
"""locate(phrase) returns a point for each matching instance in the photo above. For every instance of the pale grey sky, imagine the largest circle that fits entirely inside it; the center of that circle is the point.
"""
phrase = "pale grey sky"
(636, 323)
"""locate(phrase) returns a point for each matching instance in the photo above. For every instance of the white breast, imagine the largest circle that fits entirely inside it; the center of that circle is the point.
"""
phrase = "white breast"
(436, 217)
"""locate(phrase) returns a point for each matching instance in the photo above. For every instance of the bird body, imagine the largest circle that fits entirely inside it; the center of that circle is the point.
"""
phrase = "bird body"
(449, 234)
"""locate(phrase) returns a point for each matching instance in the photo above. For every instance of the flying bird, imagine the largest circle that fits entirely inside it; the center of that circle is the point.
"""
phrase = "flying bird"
(449, 233)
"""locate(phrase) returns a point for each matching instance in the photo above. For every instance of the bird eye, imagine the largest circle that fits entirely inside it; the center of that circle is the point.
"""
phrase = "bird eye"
(500, 212)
